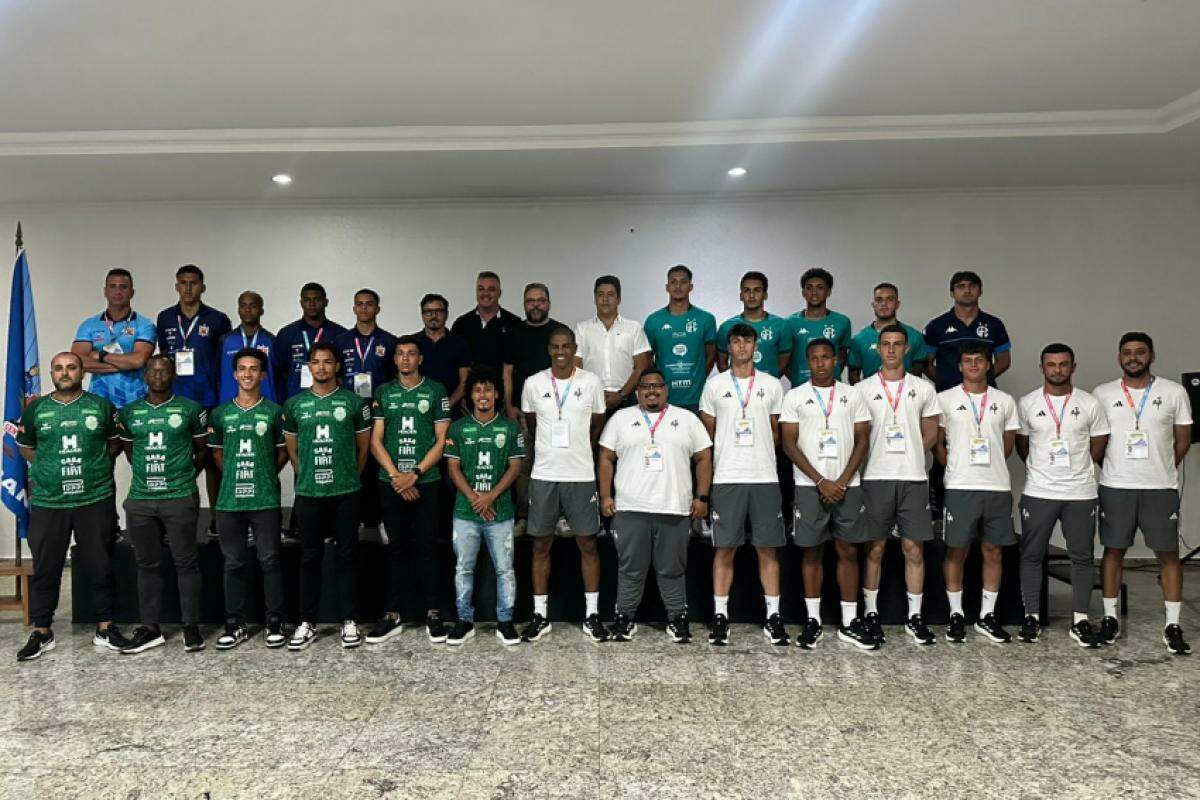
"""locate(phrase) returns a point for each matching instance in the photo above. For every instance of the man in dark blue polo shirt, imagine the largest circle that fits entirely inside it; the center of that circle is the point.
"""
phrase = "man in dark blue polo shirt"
(445, 357)
(965, 323)
(289, 355)
(250, 333)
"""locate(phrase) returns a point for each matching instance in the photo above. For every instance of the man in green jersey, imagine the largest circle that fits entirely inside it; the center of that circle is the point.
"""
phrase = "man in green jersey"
(864, 359)
(774, 333)
(411, 416)
(816, 321)
(328, 433)
(483, 456)
(70, 438)
(246, 439)
(683, 338)
(163, 435)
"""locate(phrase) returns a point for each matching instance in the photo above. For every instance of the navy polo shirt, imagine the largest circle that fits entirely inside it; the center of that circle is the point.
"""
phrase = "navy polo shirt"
(441, 360)
(202, 335)
(378, 351)
(289, 354)
(945, 334)
(237, 340)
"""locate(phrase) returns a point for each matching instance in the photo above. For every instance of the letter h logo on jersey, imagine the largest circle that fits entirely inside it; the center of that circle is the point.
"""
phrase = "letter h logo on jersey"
(485, 460)
(70, 443)
(154, 440)
(406, 425)
(244, 447)
(323, 434)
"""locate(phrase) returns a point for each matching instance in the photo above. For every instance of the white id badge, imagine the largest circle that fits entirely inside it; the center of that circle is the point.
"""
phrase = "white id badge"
(185, 362)
(560, 433)
(827, 443)
(305, 378)
(1059, 455)
(1137, 446)
(893, 439)
(981, 451)
(743, 432)
(652, 459)
(362, 384)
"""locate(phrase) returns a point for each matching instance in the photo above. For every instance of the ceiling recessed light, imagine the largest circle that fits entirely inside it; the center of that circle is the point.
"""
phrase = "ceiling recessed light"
(737, 172)
(284, 179)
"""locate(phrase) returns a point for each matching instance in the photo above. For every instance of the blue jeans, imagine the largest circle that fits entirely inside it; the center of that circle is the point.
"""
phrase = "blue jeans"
(499, 536)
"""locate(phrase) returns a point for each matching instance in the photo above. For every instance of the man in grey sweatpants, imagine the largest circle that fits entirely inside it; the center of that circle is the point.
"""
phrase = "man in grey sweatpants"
(647, 453)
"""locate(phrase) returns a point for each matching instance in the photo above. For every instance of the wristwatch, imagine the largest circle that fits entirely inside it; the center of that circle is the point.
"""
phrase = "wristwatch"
(418, 471)
(100, 356)
(703, 498)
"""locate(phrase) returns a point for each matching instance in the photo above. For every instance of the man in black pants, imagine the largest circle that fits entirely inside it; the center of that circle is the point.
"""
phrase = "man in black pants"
(70, 438)
(412, 415)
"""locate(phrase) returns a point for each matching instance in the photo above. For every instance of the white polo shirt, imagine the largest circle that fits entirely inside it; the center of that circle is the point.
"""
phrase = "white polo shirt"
(555, 458)
(902, 458)
(803, 405)
(678, 436)
(740, 457)
(959, 421)
(609, 352)
(1080, 418)
(1166, 407)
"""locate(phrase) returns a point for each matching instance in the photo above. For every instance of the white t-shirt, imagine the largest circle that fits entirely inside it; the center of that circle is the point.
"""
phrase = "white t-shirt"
(741, 457)
(892, 457)
(802, 405)
(959, 421)
(1167, 407)
(1072, 478)
(668, 489)
(609, 352)
(582, 396)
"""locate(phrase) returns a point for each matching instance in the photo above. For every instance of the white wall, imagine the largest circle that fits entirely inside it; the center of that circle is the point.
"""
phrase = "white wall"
(1080, 266)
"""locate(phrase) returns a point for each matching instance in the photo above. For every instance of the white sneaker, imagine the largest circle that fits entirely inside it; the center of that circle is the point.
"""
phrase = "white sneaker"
(350, 635)
(383, 537)
(303, 636)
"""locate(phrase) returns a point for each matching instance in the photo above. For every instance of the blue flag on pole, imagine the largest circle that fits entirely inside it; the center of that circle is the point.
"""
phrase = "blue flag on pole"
(23, 381)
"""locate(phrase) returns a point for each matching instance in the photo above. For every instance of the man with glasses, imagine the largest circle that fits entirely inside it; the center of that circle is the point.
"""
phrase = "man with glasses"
(445, 356)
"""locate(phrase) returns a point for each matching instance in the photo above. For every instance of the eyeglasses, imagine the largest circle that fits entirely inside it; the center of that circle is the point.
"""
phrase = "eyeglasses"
(652, 386)
(432, 312)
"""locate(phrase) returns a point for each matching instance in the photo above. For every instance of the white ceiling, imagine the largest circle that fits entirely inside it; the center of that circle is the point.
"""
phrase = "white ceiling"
(139, 100)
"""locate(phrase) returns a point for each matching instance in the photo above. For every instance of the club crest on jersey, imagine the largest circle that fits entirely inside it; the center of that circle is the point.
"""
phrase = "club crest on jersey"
(203, 330)
(260, 427)
(912, 393)
(844, 400)
(993, 408)
(380, 350)
(423, 405)
(174, 420)
(674, 423)
(982, 330)
(1075, 412)
(339, 413)
(766, 334)
(761, 392)
(1157, 402)
(91, 423)
(501, 439)
(690, 326)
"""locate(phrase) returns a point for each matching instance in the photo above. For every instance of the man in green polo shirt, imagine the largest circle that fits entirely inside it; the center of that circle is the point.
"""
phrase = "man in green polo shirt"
(163, 435)
(70, 439)
(411, 416)
(328, 433)
(864, 359)
(683, 338)
(774, 333)
(483, 456)
(246, 439)
(816, 321)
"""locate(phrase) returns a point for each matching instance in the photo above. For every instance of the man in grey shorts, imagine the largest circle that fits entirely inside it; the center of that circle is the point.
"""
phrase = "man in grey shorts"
(825, 430)
(1151, 431)
(904, 423)
(646, 454)
(1063, 435)
(976, 436)
(564, 411)
(740, 410)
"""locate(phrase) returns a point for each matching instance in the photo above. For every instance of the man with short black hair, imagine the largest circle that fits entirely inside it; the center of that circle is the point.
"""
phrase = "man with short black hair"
(816, 321)
(445, 357)
(290, 353)
(611, 346)
(249, 334)
(486, 326)
(683, 338)
(965, 323)
(773, 332)
(865, 359)
(115, 344)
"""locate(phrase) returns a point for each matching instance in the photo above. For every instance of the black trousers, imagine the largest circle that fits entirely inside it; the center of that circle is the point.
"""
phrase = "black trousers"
(50, 532)
(412, 529)
(317, 518)
(233, 526)
(369, 509)
(150, 522)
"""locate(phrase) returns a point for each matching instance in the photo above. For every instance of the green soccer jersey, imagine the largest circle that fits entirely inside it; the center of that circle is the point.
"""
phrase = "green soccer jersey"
(71, 467)
(483, 450)
(325, 428)
(678, 342)
(833, 326)
(864, 350)
(250, 439)
(162, 440)
(774, 338)
(409, 417)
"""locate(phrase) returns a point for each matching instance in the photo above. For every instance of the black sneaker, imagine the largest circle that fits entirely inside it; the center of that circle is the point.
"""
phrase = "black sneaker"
(461, 631)
(623, 629)
(1030, 629)
(434, 627)
(1110, 630)
(594, 628)
(38, 643)
(678, 630)
(990, 627)
(273, 635)
(506, 632)
(856, 633)
(1083, 633)
(718, 630)
(1173, 639)
(110, 638)
(143, 639)
(193, 642)
(956, 631)
(810, 634)
(388, 627)
(774, 631)
(919, 631)
(874, 627)
(235, 633)
(538, 627)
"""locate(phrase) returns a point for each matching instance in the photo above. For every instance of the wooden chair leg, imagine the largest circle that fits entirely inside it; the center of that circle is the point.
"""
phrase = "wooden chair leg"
(23, 588)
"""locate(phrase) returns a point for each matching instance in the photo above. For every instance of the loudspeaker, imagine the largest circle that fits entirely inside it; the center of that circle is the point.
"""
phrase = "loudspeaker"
(1191, 383)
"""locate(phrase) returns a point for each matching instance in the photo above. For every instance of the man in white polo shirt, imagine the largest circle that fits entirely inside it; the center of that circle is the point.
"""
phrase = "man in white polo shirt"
(977, 433)
(740, 410)
(564, 412)
(648, 451)
(612, 347)
(1063, 435)
(1151, 423)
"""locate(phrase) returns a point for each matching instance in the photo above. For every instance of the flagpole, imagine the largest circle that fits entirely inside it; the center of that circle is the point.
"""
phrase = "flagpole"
(20, 245)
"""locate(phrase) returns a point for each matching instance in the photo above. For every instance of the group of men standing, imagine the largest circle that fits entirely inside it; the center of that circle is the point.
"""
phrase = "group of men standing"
(628, 430)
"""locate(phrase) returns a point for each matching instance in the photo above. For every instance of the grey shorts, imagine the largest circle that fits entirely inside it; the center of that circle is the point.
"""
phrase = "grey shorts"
(577, 501)
(1039, 515)
(903, 505)
(734, 505)
(1154, 511)
(967, 511)
(816, 523)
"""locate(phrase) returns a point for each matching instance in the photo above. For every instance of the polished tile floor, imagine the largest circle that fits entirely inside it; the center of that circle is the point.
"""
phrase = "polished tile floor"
(565, 718)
